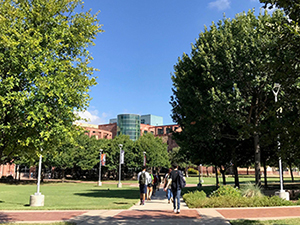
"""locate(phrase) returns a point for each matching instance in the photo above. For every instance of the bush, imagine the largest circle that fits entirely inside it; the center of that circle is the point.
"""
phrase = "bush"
(227, 196)
(226, 190)
(193, 171)
(250, 190)
(194, 199)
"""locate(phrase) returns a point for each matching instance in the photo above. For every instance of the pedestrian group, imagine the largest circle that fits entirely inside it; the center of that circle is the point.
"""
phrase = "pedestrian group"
(173, 183)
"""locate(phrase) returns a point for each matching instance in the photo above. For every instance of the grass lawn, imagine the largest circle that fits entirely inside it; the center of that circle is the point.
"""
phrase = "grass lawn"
(295, 221)
(69, 196)
(230, 180)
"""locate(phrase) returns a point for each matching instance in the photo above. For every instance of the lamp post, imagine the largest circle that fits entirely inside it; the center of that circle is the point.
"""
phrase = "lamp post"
(120, 184)
(144, 163)
(281, 193)
(38, 199)
(199, 185)
(99, 182)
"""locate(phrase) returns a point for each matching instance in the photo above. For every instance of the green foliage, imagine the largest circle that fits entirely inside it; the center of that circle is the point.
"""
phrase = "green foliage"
(193, 171)
(44, 72)
(231, 198)
(226, 190)
(222, 90)
(156, 151)
(251, 190)
(192, 199)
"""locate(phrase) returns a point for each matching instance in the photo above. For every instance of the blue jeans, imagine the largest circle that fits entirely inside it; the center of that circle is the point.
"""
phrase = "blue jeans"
(176, 197)
(170, 194)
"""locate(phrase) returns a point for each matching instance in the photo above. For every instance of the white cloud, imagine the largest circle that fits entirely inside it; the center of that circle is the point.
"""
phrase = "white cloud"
(220, 4)
(92, 117)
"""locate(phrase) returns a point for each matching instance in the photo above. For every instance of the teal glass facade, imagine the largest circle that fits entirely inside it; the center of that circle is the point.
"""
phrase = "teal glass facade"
(129, 124)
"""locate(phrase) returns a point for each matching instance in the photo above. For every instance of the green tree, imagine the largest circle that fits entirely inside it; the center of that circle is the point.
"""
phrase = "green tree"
(156, 151)
(44, 72)
(224, 89)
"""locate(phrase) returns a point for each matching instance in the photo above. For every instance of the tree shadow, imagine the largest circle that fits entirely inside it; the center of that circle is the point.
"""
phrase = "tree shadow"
(4, 218)
(127, 194)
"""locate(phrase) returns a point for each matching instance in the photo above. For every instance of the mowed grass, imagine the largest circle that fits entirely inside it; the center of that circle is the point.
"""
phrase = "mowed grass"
(69, 196)
(230, 180)
(295, 221)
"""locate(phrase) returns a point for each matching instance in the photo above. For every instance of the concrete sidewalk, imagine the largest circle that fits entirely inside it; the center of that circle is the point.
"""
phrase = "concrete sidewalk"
(155, 211)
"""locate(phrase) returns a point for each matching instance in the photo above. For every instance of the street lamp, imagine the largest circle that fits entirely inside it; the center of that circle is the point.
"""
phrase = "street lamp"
(199, 184)
(120, 184)
(38, 199)
(281, 193)
(144, 163)
(99, 182)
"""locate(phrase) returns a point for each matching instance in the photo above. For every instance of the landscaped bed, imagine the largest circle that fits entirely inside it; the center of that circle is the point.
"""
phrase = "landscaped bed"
(227, 196)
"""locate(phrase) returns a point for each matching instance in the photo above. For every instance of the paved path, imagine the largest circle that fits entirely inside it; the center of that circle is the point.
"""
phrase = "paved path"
(156, 211)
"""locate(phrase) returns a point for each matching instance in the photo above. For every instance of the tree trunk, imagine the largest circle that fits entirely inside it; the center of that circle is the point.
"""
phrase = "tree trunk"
(265, 174)
(257, 159)
(63, 176)
(223, 175)
(217, 178)
(290, 167)
(235, 170)
(236, 176)
(207, 171)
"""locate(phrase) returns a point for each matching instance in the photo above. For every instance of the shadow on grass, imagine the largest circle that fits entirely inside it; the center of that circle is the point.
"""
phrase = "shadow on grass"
(127, 194)
(246, 222)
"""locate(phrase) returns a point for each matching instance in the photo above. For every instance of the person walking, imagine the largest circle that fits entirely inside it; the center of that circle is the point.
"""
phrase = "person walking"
(174, 181)
(169, 191)
(150, 186)
(143, 178)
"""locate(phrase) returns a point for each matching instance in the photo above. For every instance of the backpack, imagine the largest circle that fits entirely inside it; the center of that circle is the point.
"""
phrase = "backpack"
(182, 182)
(142, 178)
(155, 179)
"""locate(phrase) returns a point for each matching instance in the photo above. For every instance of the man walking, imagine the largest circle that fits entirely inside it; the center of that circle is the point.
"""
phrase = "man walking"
(143, 178)
(174, 180)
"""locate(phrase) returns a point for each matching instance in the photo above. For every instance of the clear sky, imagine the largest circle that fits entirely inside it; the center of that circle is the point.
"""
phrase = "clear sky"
(141, 43)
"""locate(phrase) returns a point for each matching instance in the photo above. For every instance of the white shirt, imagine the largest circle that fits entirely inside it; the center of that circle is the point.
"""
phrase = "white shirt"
(148, 177)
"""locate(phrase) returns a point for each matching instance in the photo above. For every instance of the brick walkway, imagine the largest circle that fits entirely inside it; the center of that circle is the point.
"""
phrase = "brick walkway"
(34, 216)
(253, 213)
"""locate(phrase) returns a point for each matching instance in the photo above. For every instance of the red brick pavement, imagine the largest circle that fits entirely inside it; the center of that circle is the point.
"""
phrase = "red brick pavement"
(6, 216)
(156, 214)
(275, 212)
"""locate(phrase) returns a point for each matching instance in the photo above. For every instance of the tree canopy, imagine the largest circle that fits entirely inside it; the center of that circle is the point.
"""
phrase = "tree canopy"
(44, 72)
(223, 90)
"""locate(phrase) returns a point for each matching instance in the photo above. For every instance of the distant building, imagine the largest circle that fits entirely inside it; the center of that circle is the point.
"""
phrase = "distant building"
(152, 120)
(129, 124)
(135, 126)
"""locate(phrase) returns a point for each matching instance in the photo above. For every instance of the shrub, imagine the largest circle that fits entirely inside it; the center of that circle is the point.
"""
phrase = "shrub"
(193, 171)
(194, 199)
(250, 190)
(226, 190)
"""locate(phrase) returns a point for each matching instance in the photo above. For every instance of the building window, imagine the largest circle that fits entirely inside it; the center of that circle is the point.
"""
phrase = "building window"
(160, 131)
(142, 121)
(169, 130)
(145, 132)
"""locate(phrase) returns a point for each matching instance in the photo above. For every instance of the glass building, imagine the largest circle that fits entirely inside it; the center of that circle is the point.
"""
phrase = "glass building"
(152, 120)
(129, 124)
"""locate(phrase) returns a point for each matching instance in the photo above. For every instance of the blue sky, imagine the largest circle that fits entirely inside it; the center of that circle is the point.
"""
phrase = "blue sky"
(141, 43)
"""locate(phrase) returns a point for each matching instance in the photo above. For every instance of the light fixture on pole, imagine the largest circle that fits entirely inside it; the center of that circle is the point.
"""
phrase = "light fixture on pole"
(99, 182)
(38, 199)
(281, 193)
(121, 161)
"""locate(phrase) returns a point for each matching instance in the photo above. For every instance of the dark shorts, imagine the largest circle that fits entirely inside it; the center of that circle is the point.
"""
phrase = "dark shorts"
(143, 189)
